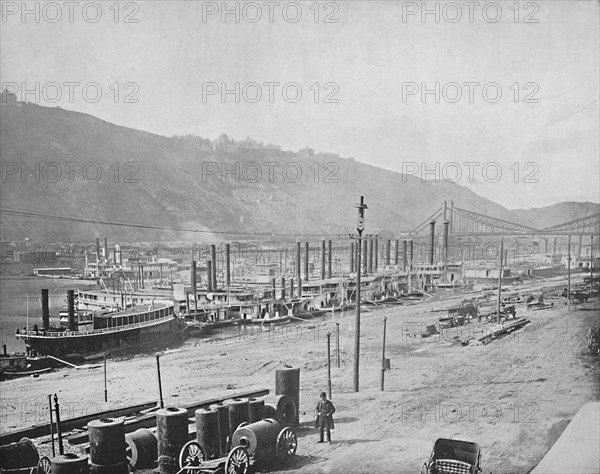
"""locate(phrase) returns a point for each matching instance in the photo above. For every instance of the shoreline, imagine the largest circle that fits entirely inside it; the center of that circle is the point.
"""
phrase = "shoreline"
(513, 396)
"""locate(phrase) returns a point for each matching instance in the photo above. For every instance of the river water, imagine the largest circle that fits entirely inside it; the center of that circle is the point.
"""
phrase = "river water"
(15, 291)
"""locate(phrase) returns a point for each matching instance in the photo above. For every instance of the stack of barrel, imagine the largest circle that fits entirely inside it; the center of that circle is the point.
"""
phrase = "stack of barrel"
(216, 425)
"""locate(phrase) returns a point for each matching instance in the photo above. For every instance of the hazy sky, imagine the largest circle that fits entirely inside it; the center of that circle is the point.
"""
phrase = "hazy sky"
(364, 66)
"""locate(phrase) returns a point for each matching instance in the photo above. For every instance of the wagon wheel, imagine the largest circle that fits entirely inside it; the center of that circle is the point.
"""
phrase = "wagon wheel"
(44, 466)
(191, 456)
(131, 453)
(286, 445)
(237, 461)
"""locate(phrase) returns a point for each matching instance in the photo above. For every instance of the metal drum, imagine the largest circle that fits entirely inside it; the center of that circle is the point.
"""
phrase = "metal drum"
(207, 432)
(256, 409)
(223, 417)
(107, 446)
(172, 424)
(70, 463)
(285, 409)
(21, 454)
(287, 382)
(238, 413)
(258, 438)
(142, 449)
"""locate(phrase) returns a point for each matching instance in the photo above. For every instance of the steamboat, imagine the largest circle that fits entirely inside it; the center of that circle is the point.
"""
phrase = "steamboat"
(88, 334)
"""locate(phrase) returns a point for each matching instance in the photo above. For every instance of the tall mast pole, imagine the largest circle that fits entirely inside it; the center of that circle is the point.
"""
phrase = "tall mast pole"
(360, 226)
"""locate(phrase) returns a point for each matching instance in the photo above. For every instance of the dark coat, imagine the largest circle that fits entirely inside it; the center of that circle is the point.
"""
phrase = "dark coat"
(325, 411)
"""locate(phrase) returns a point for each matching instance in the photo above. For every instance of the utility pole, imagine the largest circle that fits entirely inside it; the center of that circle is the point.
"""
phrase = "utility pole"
(360, 226)
(383, 354)
(569, 276)
(500, 279)
(591, 264)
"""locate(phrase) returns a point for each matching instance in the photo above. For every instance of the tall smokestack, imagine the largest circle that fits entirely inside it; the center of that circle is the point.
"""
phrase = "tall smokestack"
(213, 257)
(97, 249)
(365, 254)
(283, 288)
(209, 276)
(227, 264)
(329, 252)
(370, 268)
(376, 254)
(193, 279)
(298, 260)
(322, 260)
(45, 310)
(446, 224)
(306, 250)
(404, 255)
(431, 242)
(388, 252)
(105, 248)
(71, 305)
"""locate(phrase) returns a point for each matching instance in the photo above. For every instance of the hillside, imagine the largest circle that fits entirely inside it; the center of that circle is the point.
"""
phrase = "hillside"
(129, 176)
(548, 216)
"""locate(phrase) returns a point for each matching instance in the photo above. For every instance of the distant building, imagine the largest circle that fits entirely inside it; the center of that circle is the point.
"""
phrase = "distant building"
(8, 98)
(35, 256)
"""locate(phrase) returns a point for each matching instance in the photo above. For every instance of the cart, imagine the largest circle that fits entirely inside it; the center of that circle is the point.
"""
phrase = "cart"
(452, 456)
(192, 458)
(23, 457)
(43, 467)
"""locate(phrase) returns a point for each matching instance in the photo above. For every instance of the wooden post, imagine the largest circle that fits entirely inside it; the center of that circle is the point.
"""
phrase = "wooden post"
(160, 394)
(51, 425)
(337, 343)
(329, 363)
(105, 385)
(61, 450)
(383, 355)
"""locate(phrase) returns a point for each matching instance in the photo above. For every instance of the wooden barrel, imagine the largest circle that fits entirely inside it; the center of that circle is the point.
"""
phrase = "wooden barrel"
(287, 382)
(172, 424)
(256, 409)
(70, 463)
(223, 418)
(207, 432)
(238, 413)
(107, 446)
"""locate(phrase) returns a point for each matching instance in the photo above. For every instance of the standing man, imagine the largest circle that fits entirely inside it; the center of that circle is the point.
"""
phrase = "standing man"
(324, 421)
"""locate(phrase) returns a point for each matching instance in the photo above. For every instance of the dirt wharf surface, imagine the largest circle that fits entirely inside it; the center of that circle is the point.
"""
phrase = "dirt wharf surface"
(514, 396)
